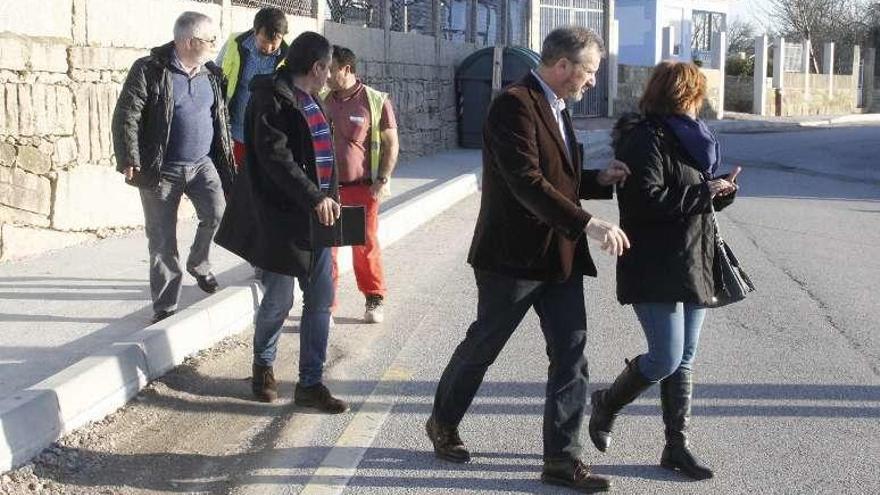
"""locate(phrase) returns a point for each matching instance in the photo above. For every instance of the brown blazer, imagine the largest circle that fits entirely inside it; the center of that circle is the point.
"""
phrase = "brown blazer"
(531, 225)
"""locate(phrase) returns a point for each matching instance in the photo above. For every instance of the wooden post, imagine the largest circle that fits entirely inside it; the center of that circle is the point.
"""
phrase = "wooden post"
(497, 69)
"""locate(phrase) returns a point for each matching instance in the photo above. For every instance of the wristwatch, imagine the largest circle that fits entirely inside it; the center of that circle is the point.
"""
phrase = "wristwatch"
(382, 180)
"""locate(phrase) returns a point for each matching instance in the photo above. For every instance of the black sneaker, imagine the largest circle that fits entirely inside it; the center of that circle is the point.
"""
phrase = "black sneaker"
(374, 307)
(318, 397)
(161, 315)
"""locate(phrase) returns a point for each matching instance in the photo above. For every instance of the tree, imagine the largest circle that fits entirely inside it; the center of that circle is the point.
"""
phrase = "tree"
(741, 36)
(840, 21)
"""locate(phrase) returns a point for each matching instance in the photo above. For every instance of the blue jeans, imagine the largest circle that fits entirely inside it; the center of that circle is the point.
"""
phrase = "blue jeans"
(314, 328)
(201, 184)
(673, 332)
(502, 302)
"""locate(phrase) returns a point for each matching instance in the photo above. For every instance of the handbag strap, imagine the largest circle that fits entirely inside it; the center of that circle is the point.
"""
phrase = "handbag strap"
(714, 213)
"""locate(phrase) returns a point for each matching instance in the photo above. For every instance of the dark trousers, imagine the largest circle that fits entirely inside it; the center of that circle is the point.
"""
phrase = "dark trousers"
(502, 304)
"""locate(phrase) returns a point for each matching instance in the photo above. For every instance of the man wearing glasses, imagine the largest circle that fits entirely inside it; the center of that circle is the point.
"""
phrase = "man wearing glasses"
(171, 137)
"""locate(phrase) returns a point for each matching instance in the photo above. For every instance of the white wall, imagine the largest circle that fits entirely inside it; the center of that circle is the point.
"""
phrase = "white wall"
(139, 24)
(642, 23)
(51, 19)
(638, 32)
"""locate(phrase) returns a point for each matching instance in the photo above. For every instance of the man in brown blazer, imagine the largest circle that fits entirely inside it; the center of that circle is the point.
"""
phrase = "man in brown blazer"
(530, 251)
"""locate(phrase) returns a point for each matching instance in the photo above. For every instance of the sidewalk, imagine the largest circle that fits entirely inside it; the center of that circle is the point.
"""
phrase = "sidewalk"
(75, 336)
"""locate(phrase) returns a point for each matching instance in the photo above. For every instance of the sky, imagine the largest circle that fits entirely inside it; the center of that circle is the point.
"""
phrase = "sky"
(749, 10)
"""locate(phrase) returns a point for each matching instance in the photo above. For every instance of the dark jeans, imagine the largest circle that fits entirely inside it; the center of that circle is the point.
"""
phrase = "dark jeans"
(314, 327)
(502, 304)
(201, 184)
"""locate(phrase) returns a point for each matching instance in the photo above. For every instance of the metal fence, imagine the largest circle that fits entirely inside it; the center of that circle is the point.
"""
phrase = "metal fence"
(586, 13)
(363, 13)
(307, 8)
(490, 22)
(412, 16)
(518, 22)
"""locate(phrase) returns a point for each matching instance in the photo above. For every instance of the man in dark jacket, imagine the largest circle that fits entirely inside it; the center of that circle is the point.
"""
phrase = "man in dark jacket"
(256, 51)
(289, 181)
(529, 251)
(171, 137)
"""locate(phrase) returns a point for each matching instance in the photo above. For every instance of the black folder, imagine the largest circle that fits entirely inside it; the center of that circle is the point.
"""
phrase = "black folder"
(348, 230)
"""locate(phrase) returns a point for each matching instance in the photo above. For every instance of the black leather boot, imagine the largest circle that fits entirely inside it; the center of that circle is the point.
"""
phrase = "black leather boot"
(573, 473)
(676, 391)
(606, 403)
(447, 443)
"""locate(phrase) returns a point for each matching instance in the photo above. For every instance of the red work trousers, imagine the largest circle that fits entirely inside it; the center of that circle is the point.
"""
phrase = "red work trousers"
(238, 154)
(367, 259)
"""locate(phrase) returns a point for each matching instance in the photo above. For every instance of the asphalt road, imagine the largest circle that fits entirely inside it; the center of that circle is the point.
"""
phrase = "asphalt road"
(788, 382)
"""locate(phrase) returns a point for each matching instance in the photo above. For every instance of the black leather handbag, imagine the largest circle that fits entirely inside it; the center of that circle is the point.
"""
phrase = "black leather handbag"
(732, 284)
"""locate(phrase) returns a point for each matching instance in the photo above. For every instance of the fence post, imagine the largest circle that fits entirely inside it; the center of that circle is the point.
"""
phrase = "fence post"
(668, 48)
(759, 95)
(857, 60)
(535, 25)
(778, 74)
(720, 51)
(805, 69)
(613, 49)
(225, 19)
(471, 29)
(868, 87)
(828, 67)
(321, 13)
(779, 63)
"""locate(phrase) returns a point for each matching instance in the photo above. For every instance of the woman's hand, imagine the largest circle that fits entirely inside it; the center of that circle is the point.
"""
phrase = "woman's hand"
(724, 186)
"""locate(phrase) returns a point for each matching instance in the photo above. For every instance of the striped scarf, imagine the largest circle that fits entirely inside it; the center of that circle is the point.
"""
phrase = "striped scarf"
(321, 140)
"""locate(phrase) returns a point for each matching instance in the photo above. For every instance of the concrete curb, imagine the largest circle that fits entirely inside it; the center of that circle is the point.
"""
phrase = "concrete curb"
(97, 385)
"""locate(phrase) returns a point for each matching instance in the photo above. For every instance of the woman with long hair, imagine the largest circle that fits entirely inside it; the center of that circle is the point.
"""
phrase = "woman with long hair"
(666, 209)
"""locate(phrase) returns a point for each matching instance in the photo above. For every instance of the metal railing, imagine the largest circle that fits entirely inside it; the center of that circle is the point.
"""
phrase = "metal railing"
(363, 13)
(412, 16)
(306, 8)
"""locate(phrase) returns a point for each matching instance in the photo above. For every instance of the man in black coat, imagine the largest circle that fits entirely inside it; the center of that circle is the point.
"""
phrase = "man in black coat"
(529, 251)
(289, 181)
(171, 137)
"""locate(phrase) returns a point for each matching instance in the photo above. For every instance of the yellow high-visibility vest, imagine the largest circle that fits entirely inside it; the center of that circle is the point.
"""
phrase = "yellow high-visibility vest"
(376, 100)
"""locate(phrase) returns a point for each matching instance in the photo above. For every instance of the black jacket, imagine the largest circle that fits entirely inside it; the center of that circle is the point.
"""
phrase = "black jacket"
(267, 219)
(142, 119)
(531, 224)
(665, 210)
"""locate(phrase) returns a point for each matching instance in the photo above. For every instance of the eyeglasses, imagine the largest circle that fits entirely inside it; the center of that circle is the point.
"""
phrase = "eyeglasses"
(211, 41)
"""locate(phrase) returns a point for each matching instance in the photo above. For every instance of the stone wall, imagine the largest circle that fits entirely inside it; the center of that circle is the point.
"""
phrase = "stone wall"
(809, 95)
(714, 88)
(631, 81)
(61, 69)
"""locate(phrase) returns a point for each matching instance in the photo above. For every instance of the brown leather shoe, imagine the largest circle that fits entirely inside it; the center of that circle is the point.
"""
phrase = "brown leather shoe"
(263, 383)
(447, 444)
(318, 397)
(573, 473)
